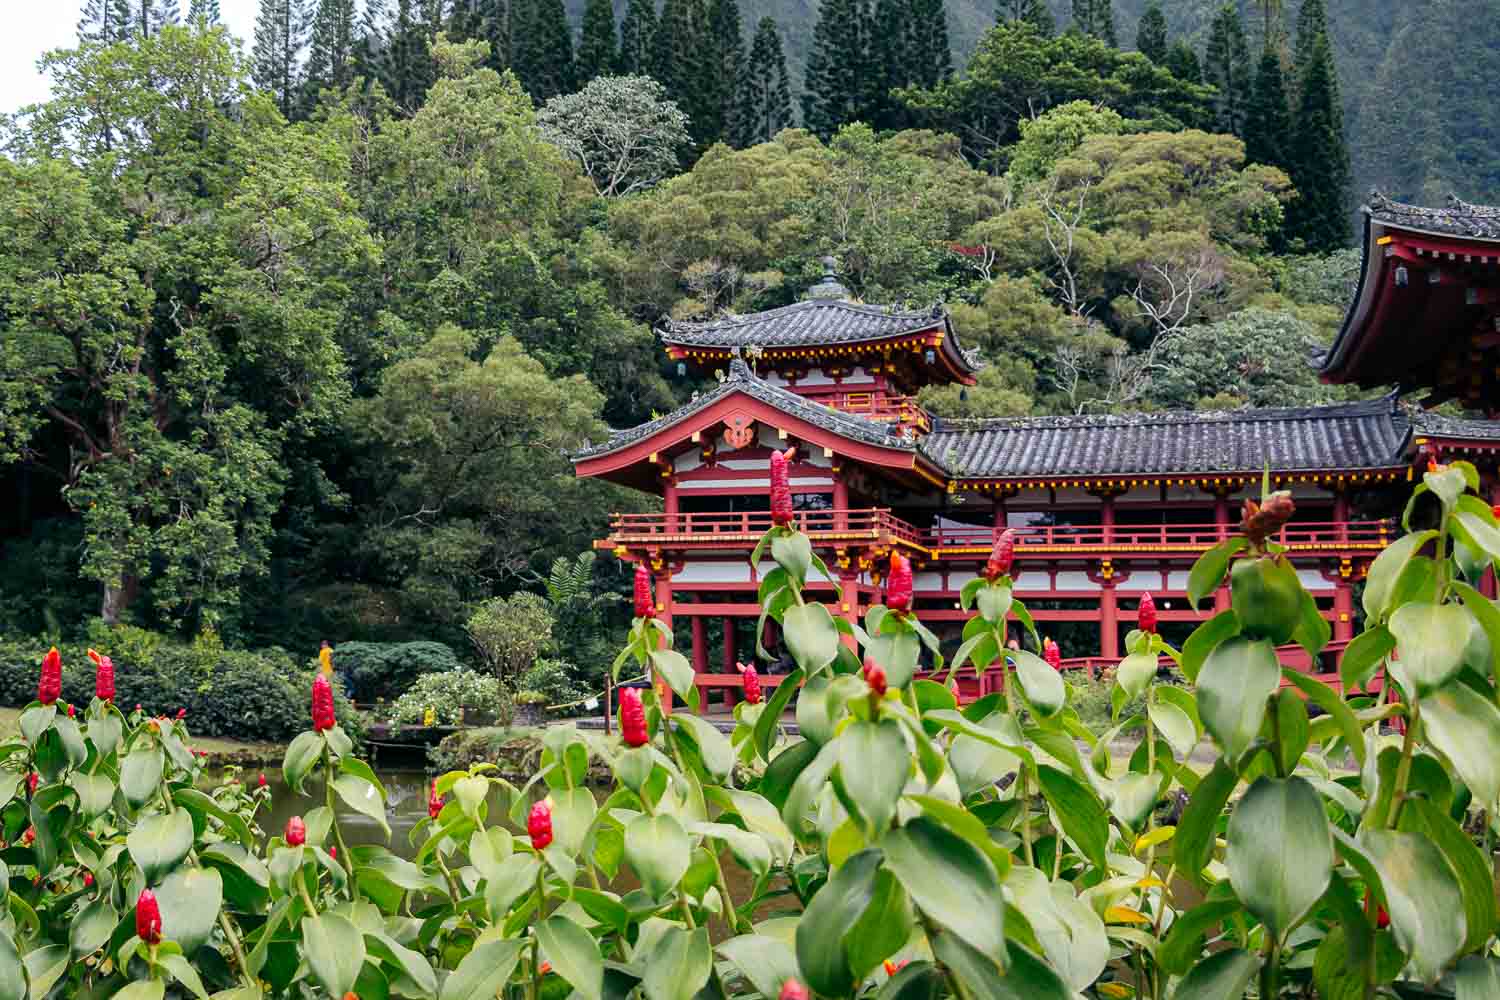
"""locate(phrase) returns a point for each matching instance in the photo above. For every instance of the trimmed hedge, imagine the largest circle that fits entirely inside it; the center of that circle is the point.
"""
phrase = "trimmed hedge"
(387, 669)
(238, 694)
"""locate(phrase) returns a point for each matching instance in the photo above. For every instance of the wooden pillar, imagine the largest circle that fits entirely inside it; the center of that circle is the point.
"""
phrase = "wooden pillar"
(664, 613)
(849, 605)
(1343, 609)
(1001, 516)
(730, 658)
(669, 503)
(1489, 584)
(840, 500)
(1109, 622)
(1221, 514)
(700, 645)
(1107, 517)
(1341, 514)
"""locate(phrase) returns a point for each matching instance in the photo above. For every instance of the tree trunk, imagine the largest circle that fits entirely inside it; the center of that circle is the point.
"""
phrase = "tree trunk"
(117, 598)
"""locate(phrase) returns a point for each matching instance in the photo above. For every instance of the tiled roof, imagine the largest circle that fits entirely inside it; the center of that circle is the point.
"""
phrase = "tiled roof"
(1366, 435)
(1437, 425)
(742, 379)
(1459, 218)
(808, 323)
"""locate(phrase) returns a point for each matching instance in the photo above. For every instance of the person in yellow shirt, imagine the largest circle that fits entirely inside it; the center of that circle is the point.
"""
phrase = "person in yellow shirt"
(325, 657)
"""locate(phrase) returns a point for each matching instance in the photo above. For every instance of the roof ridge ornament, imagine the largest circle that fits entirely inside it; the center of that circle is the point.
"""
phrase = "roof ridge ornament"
(828, 287)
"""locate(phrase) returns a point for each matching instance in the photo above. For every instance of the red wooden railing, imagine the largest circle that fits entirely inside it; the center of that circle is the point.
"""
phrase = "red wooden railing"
(705, 527)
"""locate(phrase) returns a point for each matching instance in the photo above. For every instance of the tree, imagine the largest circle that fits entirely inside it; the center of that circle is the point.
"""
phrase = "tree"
(372, 46)
(147, 17)
(543, 48)
(1268, 121)
(486, 21)
(280, 35)
(203, 12)
(680, 62)
(929, 52)
(621, 130)
(1033, 12)
(1319, 159)
(1312, 24)
(1255, 357)
(1151, 34)
(765, 92)
(1055, 134)
(330, 62)
(104, 21)
(837, 87)
(1226, 65)
(598, 52)
(637, 36)
(725, 71)
(511, 633)
(1095, 18)
(1182, 62)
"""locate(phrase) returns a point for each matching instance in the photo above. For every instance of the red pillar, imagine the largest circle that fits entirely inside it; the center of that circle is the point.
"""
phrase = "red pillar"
(849, 604)
(1107, 517)
(664, 613)
(840, 500)
(730, 696)
(1109, 622)
(1221, 514)
(1000, 514)
(669, 503)
(1343, 609)
(1489, 584)
(700, 645)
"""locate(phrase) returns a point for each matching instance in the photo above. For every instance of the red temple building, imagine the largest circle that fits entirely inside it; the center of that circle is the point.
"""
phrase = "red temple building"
(1107, 507)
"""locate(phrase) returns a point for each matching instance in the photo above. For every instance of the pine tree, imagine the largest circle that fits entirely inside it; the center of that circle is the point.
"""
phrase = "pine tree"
(1182, 61)
(725, 70)
(407, 63)
(1268, 121)
(597, 49)
(371, 47)
(280, 35)
(765, 92)
(203, 12)
(1151, 34)
(1034, 12)
(930, 55)
(147, 17)
(1226, 65)
(330, 61)
(837, 86)
(1320, 158)
(1095, 18)
(893, 40)
(543, 48)
(637, 35)
(1312, 24)
(680, 62)
(486, 21)
(104, 21)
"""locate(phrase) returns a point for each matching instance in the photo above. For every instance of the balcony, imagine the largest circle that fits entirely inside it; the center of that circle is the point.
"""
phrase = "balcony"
(878, 526)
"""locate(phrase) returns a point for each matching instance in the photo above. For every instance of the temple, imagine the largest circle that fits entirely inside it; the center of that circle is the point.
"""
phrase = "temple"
(1107, 507)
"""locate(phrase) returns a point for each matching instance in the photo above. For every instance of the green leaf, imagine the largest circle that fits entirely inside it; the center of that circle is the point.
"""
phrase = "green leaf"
(811, 636)
(1082, 815)
(1386, 571)
(675, 669)
(1174, 724)
(1225, 975)
(1313, 630)
(1042, 685)
(1204, 639)
(882, 930)
(182, 970)
(1184, 942)
(766, 962)
(1487, 615)
(1476, 881)
(301, 755)
(159, 843)
(95, 792)
(1465, 727)
(92, 927)
(1193, 842)
(1070, 932)
(142, 989)
(363, 797)
(1236, 679)
(656, 848)
(574, 955)
(1291, 729)
(140, 774)
(44, 967)
(1430, 641)
(1328, 700)
(334, 950)
(36, 720)
(792, 551)
(1476, 978)
(1363, 655)
(12, 970)
(1279, 885)
(994, 602)
(410, 964)
(1478, 533)
(898, 654)
(1135, 673)
(514, 877)
(1208, 572)
(679, 965)
(483, 971)
(714, 748)
(769, 722)
(1422, 896)
(1026, 977)
(950, 880)
(204, 805)
(190, 899)
(760, 817)
(873, 765)
(823, 930)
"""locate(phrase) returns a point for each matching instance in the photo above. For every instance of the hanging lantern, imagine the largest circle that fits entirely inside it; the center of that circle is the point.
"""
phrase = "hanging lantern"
(929, 356)
(681, 369)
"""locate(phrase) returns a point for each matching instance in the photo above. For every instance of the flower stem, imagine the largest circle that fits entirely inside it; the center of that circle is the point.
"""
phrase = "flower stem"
(333, 815)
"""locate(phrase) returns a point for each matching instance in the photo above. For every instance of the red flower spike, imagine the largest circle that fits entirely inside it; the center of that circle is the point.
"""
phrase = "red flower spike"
(633, 718)
(49, 687)
(545, 967)
(32, 780)
(1145, 616)
(333, 852)
(29, 837)
(898, 584)
(539, 825)
(322, 704)
(148, 918)
(296, 832)
(751, 681)
(1496, 511)
(262, 781)
(645, 606)
(182, 713)
(88, 879)
(1052, 654)
(351, 995)
(104, 676)
(891, 968)
(434, 801)
(793, 990)
(72, 712)
(875, 677)
(781, 488)
(1002, 556)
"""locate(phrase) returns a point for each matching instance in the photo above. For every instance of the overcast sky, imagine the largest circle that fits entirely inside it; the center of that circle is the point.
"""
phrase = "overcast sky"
(34, 26)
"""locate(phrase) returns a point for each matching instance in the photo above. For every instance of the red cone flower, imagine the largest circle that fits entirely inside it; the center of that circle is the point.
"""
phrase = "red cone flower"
(49, 688)
(148, 918)
(1052, 654)
(1496, 511)
(751, 680)
(72, 711)
(1001, 556)
(333, 852)
(434, 801)
(633, 718)
(104, 676)
(645, 607)
(793, 990)
(32, 780)
(781, 489)
(891, 968)
(262, 781)
(898, 584)
(88, 879)
(539, 825)
(1145, 616)
(29, 837)
(296, 832)
(322, 704)
(875, 677)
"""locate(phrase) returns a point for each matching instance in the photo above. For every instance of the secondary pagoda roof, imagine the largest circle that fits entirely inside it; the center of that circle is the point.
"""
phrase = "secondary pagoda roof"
(1425, 314)
(1362, 436)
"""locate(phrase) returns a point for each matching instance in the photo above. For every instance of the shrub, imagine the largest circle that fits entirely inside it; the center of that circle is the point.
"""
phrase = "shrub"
(511, 632)
(448, 694)
(385, 669)
(553, 682)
